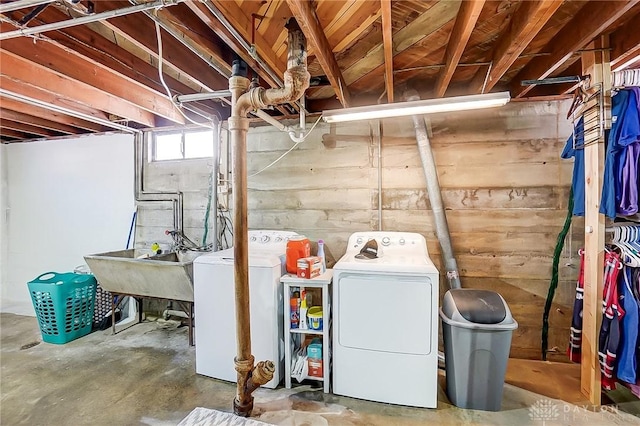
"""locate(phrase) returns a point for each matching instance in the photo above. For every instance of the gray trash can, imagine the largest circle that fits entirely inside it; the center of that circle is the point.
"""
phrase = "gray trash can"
(477, 327)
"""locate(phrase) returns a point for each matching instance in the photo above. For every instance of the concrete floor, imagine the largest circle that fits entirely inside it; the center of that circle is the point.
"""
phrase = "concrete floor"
(145, 376)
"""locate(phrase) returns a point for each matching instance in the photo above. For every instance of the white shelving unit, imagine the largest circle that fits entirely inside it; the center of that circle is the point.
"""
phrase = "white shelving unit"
(293, 283)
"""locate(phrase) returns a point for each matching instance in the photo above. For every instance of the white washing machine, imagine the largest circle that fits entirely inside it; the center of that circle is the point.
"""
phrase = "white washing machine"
(215, 309)
(385, 339)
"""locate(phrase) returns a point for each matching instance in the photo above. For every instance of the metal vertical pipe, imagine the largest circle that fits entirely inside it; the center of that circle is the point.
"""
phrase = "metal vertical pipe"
(238, 127)
(216, 174)
(435, 196)
(296, 81)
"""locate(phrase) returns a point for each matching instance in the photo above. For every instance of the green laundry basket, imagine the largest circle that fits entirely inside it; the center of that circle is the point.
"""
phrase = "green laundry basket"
(64, 304)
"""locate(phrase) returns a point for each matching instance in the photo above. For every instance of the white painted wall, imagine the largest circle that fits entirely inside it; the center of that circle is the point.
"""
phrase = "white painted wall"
(65, 198)
(3, 215)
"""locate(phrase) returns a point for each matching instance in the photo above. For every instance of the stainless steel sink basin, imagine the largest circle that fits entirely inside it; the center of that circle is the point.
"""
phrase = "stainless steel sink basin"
(166, 276)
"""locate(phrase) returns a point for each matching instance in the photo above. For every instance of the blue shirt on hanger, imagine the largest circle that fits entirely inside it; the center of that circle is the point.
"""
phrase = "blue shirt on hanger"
(576, 149)
(622, 129)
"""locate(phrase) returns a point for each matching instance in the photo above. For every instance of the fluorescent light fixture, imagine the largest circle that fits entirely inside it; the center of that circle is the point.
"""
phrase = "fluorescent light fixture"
(430, 106)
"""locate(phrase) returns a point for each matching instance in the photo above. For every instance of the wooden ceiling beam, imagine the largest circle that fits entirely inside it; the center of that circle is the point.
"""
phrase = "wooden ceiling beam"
(423, 26)
(18, 117)
(36, 81)
(357, 32)
(141, 33)
(305, 14)
(387, 41)
(201, 11)
(70, 63)
(526, 23)
(462, 29)
(55, 117)
(592, 20)
(197, 36)
(364, 12)
(95, 47)
(242, 23)
(28, 128)
(625, 44)
(4, 132)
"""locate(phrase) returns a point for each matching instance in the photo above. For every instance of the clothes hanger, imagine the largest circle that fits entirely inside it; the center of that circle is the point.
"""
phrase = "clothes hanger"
(630, 247)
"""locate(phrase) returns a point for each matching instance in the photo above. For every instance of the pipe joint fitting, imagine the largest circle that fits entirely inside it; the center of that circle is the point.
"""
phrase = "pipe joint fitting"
(244, 366)
(261, 374)
(238, 82)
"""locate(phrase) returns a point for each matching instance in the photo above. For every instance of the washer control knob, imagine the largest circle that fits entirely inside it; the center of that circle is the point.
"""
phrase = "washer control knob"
(386, 241)
(278, 239)
(401, 241)
(253, 238)
(265, 238)
(359, 240)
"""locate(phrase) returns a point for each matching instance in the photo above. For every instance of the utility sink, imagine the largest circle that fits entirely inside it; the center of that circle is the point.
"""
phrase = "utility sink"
(164, 276)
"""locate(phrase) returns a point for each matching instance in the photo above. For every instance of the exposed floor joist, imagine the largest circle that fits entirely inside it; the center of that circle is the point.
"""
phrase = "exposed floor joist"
(234, 14)
(99, 49)
(387, 41)
(465, 23)
(28, 128)
(23, 108)
(142, 34)
(625, 44)
(39, 82)
(421, 27)
(196, 36)
(6, 114)
(589, 22)
(77, 67)
(306, 16)
(525, 25)
(203, 13)
(363, 12)
(4, 132)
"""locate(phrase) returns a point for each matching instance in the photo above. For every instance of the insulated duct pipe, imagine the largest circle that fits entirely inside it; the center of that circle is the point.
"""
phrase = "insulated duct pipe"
(435, 196)
(296, 81)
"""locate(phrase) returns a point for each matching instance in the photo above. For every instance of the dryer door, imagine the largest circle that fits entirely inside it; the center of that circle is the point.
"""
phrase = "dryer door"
(388, 313)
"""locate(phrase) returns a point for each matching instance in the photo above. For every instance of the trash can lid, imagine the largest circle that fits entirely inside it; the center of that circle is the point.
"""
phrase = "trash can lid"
(475, 306)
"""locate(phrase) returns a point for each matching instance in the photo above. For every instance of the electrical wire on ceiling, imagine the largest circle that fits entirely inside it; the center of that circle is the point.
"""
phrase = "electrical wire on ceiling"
(160, 74)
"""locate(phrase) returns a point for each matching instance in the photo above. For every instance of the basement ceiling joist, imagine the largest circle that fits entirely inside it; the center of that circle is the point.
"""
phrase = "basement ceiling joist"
(360, 52)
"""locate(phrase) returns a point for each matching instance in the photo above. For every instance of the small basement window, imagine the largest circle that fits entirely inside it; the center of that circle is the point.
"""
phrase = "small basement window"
(182, 145)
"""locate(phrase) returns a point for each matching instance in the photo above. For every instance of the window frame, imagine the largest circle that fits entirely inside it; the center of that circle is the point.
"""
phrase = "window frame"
(182, 133)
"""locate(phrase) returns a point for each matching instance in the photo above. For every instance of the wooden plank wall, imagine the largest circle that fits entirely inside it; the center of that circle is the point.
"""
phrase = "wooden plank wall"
(504, 187)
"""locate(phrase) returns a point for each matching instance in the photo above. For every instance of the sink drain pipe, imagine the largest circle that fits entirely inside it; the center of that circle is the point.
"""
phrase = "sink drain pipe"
(296, 81)
(435, 196)
(142, 195)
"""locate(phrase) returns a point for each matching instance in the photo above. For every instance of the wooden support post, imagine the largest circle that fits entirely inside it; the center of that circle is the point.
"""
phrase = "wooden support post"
(596, 64)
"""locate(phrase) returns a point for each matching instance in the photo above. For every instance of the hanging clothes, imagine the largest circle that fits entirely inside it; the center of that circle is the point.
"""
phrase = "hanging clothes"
(609, 338)
(574, 148)
(575, 340)
(627, 360)
(629, 171)
(625, 131)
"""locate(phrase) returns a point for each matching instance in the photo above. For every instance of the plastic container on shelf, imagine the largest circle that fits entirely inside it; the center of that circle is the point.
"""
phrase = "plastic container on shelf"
(314, 318)
(303, 310)
(64, 304)
(297, 247)
(294, 303)
(321, 255)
